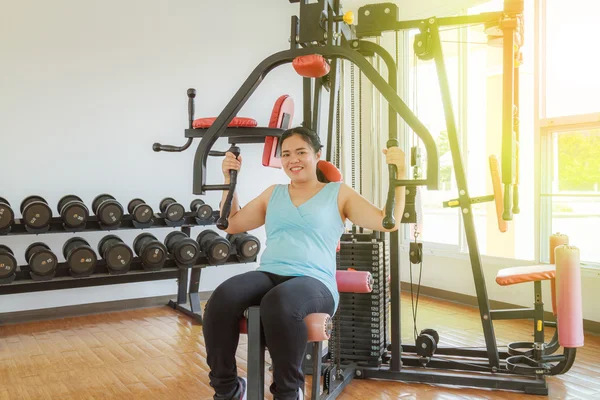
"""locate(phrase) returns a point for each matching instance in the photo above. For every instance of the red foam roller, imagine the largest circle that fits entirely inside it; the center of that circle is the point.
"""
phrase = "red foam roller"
(354, 281)
(311, 66)
(319, 327)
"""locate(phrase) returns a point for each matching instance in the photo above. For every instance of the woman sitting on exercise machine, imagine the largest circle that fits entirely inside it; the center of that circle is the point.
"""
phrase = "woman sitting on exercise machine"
(304, 221)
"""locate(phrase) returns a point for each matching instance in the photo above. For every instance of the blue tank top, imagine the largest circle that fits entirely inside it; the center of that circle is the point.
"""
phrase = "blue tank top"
(302, 241)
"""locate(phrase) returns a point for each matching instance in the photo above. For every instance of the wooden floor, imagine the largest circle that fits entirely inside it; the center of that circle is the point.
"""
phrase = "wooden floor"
(157, 353)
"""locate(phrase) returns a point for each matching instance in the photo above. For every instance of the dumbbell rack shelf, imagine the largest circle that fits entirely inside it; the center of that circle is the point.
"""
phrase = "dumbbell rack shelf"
(93, 224)
(188, 283)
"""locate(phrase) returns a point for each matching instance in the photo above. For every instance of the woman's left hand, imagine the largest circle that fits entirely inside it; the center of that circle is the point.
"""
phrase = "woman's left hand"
(395, 156)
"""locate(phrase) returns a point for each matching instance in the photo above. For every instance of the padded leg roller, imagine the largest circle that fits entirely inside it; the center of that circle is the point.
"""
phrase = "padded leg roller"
(319, 327)
(568, 297)
(354, 281)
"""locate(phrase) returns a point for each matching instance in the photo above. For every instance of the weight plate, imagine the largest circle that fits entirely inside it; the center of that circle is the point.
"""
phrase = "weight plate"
(249, 248)
(7, 215)
(134, 203)
(174, 212)
(154, 253)
(8, 264)
(219, 251)
(143, 213)
(75, 214)
(187, 252)
(30, 199)
(110, 213)
(82, 260)
(66, 199)
(99, 199)
(37, 214)
(119, 256)
(165, 202)
(43, 262)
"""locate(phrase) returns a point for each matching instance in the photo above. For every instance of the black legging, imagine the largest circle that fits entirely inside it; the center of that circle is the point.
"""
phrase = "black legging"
(284, 302)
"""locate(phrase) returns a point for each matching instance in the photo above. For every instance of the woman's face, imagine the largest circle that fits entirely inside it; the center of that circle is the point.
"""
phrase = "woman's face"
(298, 159)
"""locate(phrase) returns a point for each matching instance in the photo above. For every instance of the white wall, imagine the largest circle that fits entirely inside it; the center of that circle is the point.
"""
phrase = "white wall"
(87, 87)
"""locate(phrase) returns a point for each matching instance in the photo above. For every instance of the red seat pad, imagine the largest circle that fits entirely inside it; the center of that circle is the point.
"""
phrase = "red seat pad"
(530, 273)
(311, 66)
(237, 122)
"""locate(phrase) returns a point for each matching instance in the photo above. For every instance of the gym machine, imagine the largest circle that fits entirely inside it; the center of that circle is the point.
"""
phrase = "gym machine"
(115, 262)
(319, 39)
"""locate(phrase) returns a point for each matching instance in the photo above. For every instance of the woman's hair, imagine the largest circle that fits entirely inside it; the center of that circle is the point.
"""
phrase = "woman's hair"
(310, 137)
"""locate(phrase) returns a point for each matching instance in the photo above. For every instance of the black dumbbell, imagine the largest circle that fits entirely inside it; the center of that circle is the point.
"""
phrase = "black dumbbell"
(216, 247)
(80, 256)
(245, 245)
(152, 252)
(108, 210)
(140, 211)
(185, 250)
(172, 210)
(8, 263)
(73, 211)
(117, 254)
(36, 212)
(41, 259)
(203, 211)
(7, 215)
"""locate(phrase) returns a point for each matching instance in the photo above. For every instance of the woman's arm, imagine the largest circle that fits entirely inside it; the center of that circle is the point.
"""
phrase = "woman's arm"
(366, 215)
(253, 214)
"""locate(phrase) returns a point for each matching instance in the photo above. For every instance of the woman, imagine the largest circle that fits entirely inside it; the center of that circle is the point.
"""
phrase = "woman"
(304, 221)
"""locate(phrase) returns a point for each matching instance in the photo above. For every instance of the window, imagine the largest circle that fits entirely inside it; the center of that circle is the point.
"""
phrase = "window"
(483, 135)
(440, 225)
(571, 78)
(569, 127)
(571, 194)
(474, 70)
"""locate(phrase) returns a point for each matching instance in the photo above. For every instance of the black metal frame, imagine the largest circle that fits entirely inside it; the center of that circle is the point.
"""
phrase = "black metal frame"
(320, 31)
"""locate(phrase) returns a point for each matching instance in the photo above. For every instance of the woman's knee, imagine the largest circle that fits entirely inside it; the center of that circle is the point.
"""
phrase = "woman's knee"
(224, 299)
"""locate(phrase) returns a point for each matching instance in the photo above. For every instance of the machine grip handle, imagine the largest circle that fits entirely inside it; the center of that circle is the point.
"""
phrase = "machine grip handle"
(516, 209)
(172, 149)
(388, 221)
(223, 221)
(507, 214)
(191, 93)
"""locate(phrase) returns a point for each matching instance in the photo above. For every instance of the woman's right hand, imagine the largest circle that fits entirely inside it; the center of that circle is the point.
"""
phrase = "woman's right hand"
(229, 163)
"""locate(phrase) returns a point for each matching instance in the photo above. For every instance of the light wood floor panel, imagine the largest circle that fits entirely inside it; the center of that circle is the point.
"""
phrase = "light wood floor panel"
(157, 353)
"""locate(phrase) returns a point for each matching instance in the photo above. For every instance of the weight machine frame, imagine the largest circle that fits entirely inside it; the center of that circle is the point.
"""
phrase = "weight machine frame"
(320, 31)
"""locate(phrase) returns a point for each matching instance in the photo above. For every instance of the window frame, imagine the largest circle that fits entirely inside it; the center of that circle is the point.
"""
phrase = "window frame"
(544, 128)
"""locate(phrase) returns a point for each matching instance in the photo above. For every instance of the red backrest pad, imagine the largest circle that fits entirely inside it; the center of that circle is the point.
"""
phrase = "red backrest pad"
(281, 117)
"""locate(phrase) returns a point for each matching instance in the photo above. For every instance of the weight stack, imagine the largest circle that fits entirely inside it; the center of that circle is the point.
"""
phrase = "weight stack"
(362, 319)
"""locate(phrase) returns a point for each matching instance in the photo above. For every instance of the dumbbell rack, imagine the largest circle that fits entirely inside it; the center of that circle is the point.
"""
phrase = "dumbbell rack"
(187, 287)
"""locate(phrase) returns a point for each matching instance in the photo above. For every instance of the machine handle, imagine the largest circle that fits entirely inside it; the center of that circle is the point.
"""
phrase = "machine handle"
(223, 221)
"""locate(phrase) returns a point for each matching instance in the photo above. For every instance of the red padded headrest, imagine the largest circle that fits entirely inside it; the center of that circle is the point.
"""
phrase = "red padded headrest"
(311, 66)
(330, 171)
(283, 106)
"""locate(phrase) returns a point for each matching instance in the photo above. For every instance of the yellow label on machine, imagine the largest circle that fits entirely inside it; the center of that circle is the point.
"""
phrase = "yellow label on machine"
(539, 325)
